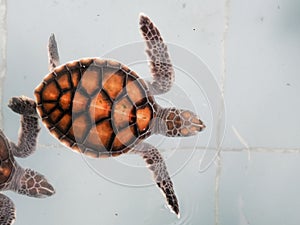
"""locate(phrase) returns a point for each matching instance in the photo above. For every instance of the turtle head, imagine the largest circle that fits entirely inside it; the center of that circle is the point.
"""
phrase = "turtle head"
(174, 122)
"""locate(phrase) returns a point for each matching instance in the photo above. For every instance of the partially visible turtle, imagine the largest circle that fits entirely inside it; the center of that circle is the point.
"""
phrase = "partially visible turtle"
(12, 175)
(102, 108)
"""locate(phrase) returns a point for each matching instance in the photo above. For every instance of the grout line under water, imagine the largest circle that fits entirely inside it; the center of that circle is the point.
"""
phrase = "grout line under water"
(217, 188)
(3, 39)
(219, 134)
(224, 150)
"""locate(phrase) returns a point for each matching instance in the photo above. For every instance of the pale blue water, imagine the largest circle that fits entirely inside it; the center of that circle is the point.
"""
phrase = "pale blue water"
(247, 52)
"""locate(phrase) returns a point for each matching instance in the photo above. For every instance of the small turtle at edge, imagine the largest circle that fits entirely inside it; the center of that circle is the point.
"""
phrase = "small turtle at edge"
(12, 176)
(102, 108)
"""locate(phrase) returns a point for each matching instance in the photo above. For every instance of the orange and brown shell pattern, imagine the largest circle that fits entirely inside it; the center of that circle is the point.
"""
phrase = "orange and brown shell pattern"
(97, 107)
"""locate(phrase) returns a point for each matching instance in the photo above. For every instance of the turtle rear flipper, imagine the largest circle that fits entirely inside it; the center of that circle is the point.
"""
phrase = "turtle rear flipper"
(53, 56)
(7, 210)
(31, 183)
(157, 166)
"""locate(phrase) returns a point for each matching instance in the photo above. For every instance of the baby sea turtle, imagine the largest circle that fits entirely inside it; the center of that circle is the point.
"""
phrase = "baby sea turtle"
(102, 108)
(12, 175)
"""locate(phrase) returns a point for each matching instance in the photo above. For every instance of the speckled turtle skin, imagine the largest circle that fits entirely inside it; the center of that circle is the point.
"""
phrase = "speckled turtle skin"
(102, 108)
(12, 176)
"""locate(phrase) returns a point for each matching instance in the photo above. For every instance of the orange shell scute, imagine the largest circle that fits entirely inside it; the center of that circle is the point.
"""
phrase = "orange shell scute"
(48, 107)
(122, 114)
(51, 92)
(100, 107)
(64, 122)
(80, 126)
(90, 81)
(75, 78)
(55, 115)
(112, 82)
(144, 116)
(99, 135)
(65, 100)
(135, 94)
(124, 137)
(64, 82)
(80, 102)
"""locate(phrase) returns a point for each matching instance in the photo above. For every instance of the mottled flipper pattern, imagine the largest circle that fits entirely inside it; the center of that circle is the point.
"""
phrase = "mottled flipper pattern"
(53, 55)
(160, 63)
(13, 177)
(156, 164)
(7, 211)
(33, 184)
(29, 126)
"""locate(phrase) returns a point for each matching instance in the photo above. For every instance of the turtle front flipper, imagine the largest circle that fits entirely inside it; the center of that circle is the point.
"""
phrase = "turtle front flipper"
(157, 51)
(29, 128)
(53, 56)
(156, 164)
(31, 183)
(7, 210)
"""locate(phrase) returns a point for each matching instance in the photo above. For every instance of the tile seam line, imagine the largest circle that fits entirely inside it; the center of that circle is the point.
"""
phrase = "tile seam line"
(224, 150)
(221, 113)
